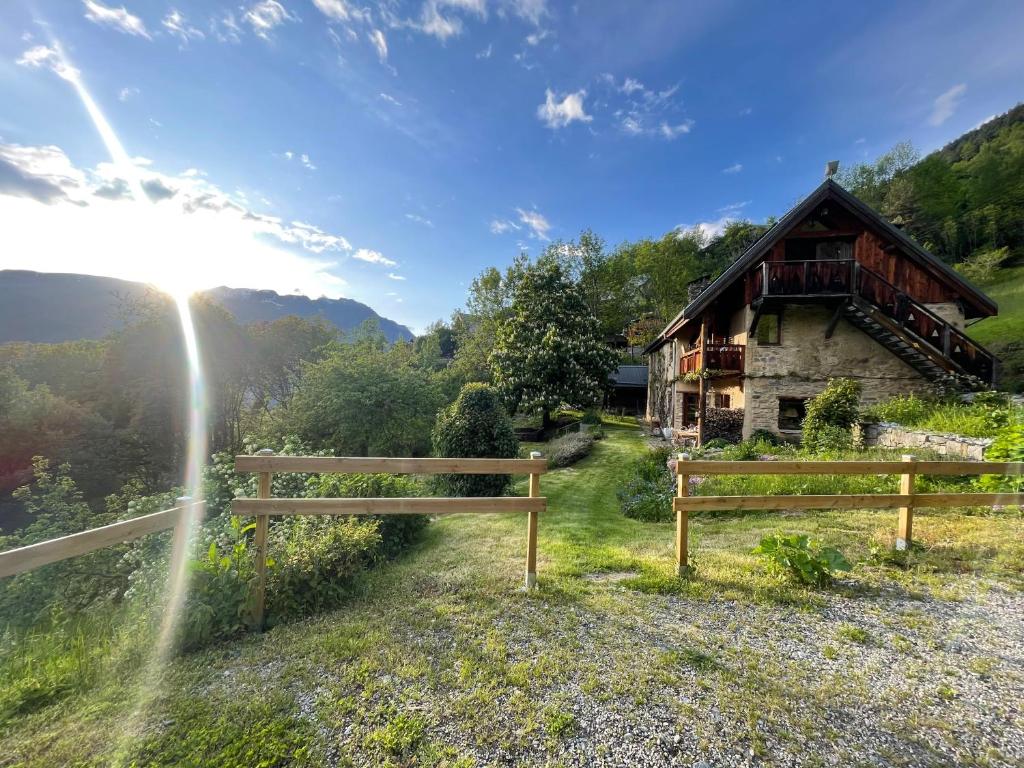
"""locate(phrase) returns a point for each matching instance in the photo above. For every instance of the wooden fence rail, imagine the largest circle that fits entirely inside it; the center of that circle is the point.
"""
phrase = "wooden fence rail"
(265, 463)
(22, 559)
(906, 501)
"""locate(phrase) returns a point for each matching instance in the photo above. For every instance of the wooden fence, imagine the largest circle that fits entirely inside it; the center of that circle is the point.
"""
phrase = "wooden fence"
(263, 506)
(45, 552)
(906, 501)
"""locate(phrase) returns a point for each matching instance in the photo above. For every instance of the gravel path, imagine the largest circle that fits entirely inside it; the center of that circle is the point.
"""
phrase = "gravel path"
(877, 680)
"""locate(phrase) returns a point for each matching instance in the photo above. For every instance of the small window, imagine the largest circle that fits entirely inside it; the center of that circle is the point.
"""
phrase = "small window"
(768, 327)
(723, 401)
(791, 413)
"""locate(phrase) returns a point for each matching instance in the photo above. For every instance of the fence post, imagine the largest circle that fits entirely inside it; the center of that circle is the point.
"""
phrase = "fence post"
(904, 530)
(179, 538)
(531, 530)
(262, 526)
(682, 516)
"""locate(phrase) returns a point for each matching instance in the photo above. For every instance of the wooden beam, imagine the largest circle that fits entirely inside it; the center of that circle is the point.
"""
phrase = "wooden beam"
(531, 530)
(756, 319)
(682, 517)
(398, 466)
(703, 467)
(260, 543)
(45, 552)
(834, 321)
(905, 525)
(397, 506)
(721, 503)
(702, 389)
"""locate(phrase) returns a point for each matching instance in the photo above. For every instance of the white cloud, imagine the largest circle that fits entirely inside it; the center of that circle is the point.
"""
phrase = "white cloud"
(265, 16)
(393, 276)
(713, 228)
(629, 85)
(389, 99)
(672, 131)
(302, 157)
(501, 226)
(946, 104)
(532, 11)
(128, 92)
(43, 57)
(535, 38)
(486, 52)
(340, 10)
(433, 20)
(177, 26)
(118, 18)
(988, 119)
(374, 257)
(419, 219)
(734, 168)
(380, 44)
(535, 222)
(226, 28)
(746, 111)
(61, 218)
(558, 114)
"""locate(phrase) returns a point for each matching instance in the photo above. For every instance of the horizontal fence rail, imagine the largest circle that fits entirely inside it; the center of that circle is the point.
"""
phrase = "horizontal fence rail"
(26, 558)
(265, 463)
(388, 506)
(358, 464)
(906, 501)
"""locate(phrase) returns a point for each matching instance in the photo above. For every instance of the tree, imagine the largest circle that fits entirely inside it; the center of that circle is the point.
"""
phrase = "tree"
(365, 399)
(475, 426)
(550, 351)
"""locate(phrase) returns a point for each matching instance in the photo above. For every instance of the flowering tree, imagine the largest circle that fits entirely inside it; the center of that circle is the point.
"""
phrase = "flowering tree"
(549, 351)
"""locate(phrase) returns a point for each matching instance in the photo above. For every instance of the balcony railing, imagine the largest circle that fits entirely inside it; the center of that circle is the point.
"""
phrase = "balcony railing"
(727, 359)
(845, 277)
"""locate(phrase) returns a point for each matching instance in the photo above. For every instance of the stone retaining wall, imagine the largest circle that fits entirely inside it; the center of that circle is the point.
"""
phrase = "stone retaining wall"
(886, 435)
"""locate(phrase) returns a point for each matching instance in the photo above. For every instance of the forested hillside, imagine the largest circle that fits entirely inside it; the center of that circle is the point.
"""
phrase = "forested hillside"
(41, 307)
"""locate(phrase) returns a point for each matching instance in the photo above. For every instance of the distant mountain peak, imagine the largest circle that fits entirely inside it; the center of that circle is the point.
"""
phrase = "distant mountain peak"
(54, 307)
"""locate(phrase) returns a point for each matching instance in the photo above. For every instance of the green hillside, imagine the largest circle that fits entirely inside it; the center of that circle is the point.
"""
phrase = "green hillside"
(1004, 334)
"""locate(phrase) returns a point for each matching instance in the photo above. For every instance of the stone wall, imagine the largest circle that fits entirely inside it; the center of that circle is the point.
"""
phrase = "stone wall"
(804, 360)
(887, 435)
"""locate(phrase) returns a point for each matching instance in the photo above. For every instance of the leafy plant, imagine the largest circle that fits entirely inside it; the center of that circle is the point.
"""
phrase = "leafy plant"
(476, 425)
(828, 425)
(801, 559)
(647, 491)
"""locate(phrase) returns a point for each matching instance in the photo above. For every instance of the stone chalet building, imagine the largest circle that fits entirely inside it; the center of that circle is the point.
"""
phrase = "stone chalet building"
(831, 290)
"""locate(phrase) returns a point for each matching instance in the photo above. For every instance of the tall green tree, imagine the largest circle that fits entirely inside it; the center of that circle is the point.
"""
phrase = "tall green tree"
(549, 351)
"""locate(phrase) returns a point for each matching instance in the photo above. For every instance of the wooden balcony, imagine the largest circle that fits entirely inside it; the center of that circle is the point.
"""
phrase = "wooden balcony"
(721, 359)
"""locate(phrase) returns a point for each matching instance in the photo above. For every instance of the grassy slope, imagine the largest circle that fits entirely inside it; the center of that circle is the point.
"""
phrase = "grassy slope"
(1004, 333)
(442, 657)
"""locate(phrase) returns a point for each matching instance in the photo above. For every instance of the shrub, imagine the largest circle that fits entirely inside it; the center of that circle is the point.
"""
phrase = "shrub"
(831, 414)
(476, 425)
(647, 491)
(569, 449)
(724, 424)
(591, 416)
(801, 559)
(1007, 446)
(766, 436)
(982, 266)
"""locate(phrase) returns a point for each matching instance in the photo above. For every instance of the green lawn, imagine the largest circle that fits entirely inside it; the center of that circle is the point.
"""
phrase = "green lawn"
(1003, 334)
(442, 659)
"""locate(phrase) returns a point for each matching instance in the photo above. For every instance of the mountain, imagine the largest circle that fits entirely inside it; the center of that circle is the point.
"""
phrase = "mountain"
(50, 307)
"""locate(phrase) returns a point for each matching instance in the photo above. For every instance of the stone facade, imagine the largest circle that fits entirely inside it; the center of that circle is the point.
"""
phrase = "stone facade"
(887, 435)
(803, 361)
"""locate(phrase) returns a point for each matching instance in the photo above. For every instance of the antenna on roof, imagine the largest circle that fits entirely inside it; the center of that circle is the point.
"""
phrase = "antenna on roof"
(831, 168)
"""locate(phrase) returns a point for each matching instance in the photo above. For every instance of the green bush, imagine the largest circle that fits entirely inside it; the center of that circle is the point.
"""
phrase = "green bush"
(568, 449)
(982, 266)
(984, 417)
(801, 559)
(647, 491)
(476, 425)
(828, 425)
(591, 416)
(766, 436)
(1007, 446)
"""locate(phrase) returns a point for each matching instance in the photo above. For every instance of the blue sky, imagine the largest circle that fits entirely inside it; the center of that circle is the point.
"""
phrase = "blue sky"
(390, 151)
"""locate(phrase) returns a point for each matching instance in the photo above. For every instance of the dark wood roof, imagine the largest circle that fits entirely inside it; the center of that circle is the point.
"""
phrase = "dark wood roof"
(827, 190)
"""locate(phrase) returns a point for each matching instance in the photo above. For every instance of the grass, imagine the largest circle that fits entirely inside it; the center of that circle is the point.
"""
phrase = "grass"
(1003, 334)
(968, 419)
(441, 657)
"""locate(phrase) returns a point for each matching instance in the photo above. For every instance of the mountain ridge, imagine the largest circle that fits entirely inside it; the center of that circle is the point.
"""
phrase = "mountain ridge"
(50, 307)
